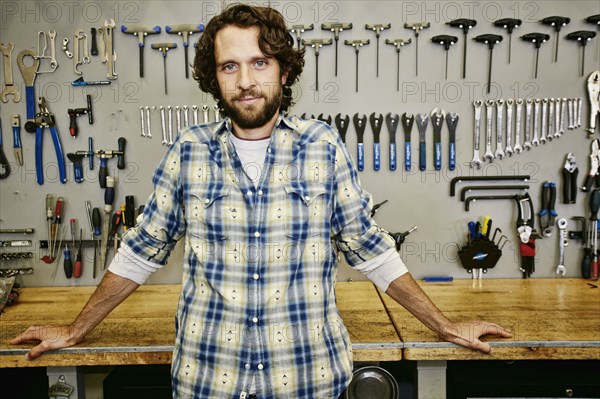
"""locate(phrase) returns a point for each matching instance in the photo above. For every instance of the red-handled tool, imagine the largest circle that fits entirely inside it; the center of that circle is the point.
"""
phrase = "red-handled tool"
(75, 112)
(594, 206)
(78, 261)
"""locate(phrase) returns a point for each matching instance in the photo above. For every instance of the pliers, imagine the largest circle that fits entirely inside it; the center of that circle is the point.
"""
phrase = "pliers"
(592, 176)
(44, 118)
(570, 172)
(547, 213)
(593, 86)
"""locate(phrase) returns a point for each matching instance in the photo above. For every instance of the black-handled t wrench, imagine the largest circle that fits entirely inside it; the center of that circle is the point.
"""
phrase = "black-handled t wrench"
(316, 44)
(509, 24)
(377, 28)
(556, 22)
(446, 41)
(491, 40)
(582, 36)
(465, 25)
(537, 39)
(336, 28)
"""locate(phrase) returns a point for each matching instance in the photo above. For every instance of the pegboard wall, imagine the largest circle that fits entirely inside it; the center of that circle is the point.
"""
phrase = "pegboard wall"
(414, 197)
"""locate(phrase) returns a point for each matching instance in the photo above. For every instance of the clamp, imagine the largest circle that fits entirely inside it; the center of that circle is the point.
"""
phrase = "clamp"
(44, 118)
(592, 176)
(547, 213)
(527, 235)
(570, 172)
(593, 87)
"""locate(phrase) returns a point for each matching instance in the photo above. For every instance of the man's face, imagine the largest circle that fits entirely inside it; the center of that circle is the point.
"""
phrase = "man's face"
(250, 82)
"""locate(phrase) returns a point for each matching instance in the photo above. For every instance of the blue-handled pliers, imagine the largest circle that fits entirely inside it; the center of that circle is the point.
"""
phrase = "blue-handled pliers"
(45, 119)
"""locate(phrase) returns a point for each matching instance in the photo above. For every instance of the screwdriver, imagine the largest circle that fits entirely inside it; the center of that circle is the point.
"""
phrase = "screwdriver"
(73, 232)
(114, 226)
(68, 264)
(594, 206)
(49, 218)
(58, 216)
(78, 262)
(97, 223)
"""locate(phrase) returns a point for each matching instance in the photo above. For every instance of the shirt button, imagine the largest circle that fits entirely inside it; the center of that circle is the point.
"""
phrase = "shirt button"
(206, 201)
(269, 150)
(260, 366)
(247, 366)
(260, 192)
(249, 193)
(255, 320)
(257, 234)
(307, 198)
(255, 276)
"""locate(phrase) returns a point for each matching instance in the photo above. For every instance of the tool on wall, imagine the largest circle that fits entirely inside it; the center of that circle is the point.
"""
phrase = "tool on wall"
(499, 154)
(407, 124)
(583, 37)
(129, 214)
(9, 84)
(316, 44)
(45, 119)
(476, 161)
(494, 187)
(75, 112)
(570, 172)
(481, 252)
(527, 234)
(357, 44)
(109, 198)
(537, 39)
(417, 27)
(377, 28)
(185, 31)
(141, 31)
(509, 126)
(360, 122)
(327, 119)
(336, 28)
(77, 159)
(342, 124)
(4, 165)
(509, 24)
(299, 30)
(460, 179)
(397, 43)
(563, 241)
(80, 82)
(491, 40)
(466, 25)
(107, 52)
(164, 48)
(557, 23)
(43, 39)
(452, 122)
(592, 176)
(94, 222)
(446, 41)
(594, 19)
(590, 261)
(422, 122)
(376, 122)
(593, 90)
(29, 74)
(15, 121)
(94, 45)
(391, 120)
(547, 213)
(437, 121)
(489, 118)
(80, 57)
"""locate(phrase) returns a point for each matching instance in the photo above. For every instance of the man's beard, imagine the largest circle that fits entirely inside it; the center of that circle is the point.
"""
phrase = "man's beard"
(253, 116)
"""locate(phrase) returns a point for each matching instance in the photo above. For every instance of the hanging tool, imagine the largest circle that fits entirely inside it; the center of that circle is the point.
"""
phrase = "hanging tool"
(141, 31)
(44, 118)
(9, 84)
(107, 49)
(115, 222)
(417, 27)
(376, 123)
(476, 198)
(422, 121)
(68, 263)
(518, 117)
(77, 157)
(357, 44)
(400, 237)
(489, 118)
(407, 124)
(29, 74)
(80, 41)
(547, 213)
(80, 82)
(537, 106)
(446, 41)
(509, 24)
(105, 155)
(398, 43)
(569, 173)
(129, 214)
(594, 19)
(109, 199)
(360, 122)
(466, 25)
(495, 187)
(509, 126)
(75, 112)
(185, 31)
(437, 121)
(528, 119)
(556, 22)
(459, 179)
(49, 219)
(593, 90)
(537, 39)
(336, 28)
(15, 121)
(499, 154)
(391, 120)
(583, 37)
(73, 231)
(563, 241)
(78, 268)
(491, 41)
(94, 46)
(4, 165)
(317, 44)
(592, 177)
(43, 46)
(593, 231)
(299, 30)
(377, 28)
(452, 122)
(323, 118)
(525, 223)
(342, 124)
(476, 161)
(164, 48)
(94, 221)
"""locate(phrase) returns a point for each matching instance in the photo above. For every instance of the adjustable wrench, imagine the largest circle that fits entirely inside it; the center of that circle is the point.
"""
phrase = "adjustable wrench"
(499, 128)
(148, 120)
(9, 84)
(544, 121)
(537, 103)
(205, 112)
(476, 162)
(407, 124)
(509, 126)
(528, 116)
(563, 242)
(163, 124)
(422, 121)
(519, 113)
(489, 114)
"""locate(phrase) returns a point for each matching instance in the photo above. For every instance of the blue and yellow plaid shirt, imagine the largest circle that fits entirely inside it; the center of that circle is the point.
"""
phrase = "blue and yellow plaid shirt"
(258, 290)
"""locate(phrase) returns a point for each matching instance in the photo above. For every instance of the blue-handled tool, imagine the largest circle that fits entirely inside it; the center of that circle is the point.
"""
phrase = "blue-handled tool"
(407, 124)
(29, 73)
(15, 121)
(45, 119)
(185, 30)
(360, 122)
(391, 121)
(422, 121)
(141, 31)
(376, 123)
(452, 122)
(437, 121)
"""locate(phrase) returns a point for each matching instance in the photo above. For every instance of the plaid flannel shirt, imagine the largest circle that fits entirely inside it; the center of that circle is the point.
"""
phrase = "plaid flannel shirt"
(258, 289)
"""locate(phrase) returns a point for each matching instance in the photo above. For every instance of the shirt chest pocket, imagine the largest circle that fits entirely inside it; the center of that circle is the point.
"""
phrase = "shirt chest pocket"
(206, 212)
(307, 210)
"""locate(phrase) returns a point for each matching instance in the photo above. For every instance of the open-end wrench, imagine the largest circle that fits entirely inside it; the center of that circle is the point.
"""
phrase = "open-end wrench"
(489, 115)
(452, 122)
(407, 124)
(360, 122)
(509, 126)
(9, 84)
(537, 105)
(205, 113)
(563, 115)
(544, 123)
(563, 242)
(217, 113)
(519, 114)
(391, 120)
(163, 124)
(422, 121)
(186, 116)
(170, 124)
(376, 122)
(579, 111)
(142, 122)
(111, 57)
(437, 121)
(570, 113)
(499, 129)
(195, 113)
(551, 132)
(342, 123)
(148, 120)
(178, 118)
(476, 162)
(528, 117)
(557, 111)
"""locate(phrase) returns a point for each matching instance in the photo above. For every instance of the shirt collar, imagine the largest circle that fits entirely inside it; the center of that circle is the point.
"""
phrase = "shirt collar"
(224, 128)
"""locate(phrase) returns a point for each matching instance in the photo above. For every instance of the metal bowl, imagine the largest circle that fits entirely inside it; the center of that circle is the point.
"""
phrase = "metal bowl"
(372, 382)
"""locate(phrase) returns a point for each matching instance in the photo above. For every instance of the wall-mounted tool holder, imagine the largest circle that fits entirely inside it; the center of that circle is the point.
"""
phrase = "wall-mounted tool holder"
(481, 252)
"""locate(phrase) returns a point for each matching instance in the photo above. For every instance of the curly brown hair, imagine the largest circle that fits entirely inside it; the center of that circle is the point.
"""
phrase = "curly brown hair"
(274, 41)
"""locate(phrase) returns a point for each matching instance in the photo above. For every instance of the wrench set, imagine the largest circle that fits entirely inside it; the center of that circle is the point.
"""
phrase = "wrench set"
(533, 121)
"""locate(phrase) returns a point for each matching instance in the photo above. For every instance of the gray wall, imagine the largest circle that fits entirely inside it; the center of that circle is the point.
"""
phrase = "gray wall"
(415, 198)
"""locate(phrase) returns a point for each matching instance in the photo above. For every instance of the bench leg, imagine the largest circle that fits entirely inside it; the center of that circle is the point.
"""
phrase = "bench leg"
(431, 379)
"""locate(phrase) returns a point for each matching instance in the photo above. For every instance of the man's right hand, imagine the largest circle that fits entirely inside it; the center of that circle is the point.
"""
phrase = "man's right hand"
(51, 337)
